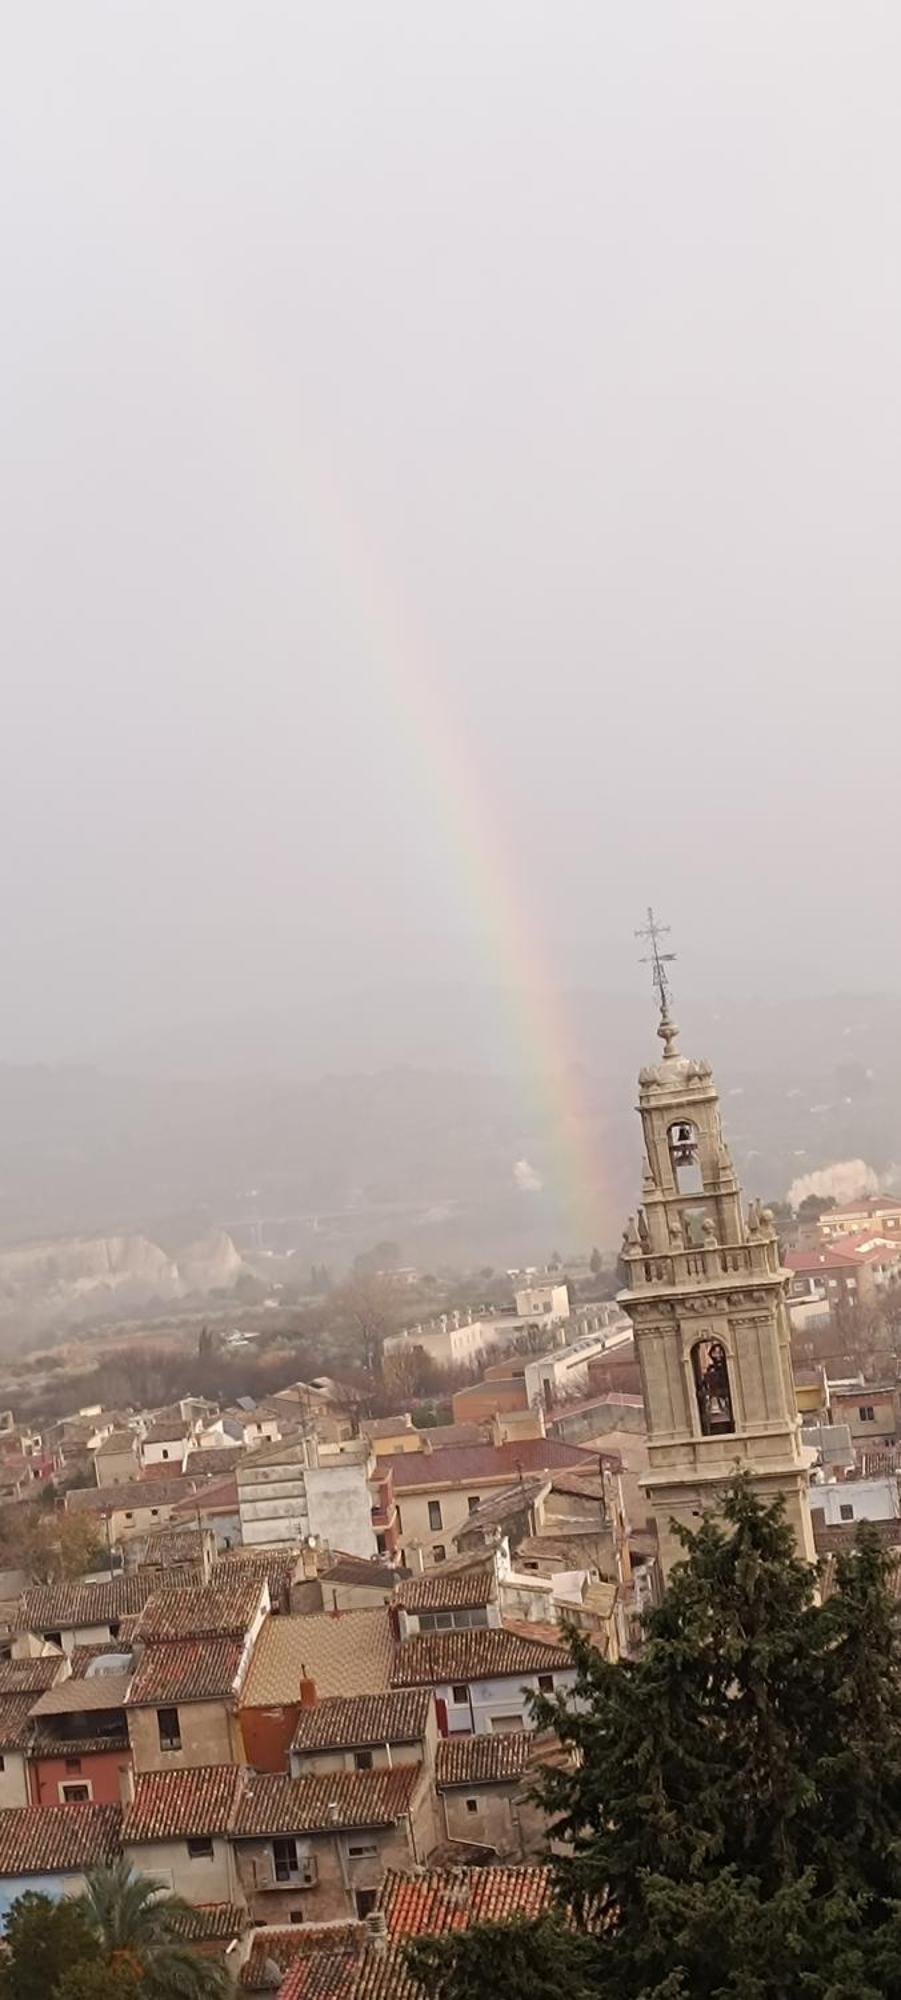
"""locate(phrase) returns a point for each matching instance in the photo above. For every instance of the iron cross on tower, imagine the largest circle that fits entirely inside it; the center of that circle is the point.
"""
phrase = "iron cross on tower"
(652, 932)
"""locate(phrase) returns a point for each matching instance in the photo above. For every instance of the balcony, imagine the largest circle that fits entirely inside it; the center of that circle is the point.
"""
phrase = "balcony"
(716, 1264)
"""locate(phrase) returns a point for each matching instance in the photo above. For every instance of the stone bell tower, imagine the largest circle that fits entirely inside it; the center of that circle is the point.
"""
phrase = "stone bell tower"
(705, 1292)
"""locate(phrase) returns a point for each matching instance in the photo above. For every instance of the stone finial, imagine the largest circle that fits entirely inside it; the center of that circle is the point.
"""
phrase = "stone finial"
(644, 1234)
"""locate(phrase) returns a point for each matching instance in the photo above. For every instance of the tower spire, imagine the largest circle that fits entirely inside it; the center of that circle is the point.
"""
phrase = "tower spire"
(652, 932)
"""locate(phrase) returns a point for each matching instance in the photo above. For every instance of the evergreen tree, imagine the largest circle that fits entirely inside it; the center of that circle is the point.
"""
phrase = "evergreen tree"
(42, 1939)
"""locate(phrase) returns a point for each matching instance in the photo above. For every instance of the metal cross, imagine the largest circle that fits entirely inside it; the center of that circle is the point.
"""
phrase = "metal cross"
(653, 932)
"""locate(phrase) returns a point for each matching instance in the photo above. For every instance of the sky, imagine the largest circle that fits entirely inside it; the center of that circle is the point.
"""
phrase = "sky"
(450, 493)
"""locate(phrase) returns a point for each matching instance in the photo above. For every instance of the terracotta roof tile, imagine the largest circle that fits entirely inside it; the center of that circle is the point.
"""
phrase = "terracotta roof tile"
(484, 1652)
(215, 1459)
(439, 1901)
(138, 1494)
(212, 1920)
(349, 1654)
(360, 1721)
(448, 1590)
(51, 1840)
(83, 1697)
(167, 1430)
(274, 1805)
(15, 1725)
(284, 1947)
(176, 1805)
(30, 1675)
(45, 1745)
(165, 1547)
(223, 1609)
(54, 1607)
(189, 1670)
(273, 1566)
(482, 1760)
(218, 1496)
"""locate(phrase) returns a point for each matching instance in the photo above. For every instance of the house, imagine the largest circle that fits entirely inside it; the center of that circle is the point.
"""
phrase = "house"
(166, 1442)
(352, 1583)
(316, 1848)
(136, 1509)
(460, 1594)
(367, 1732)
(79, 1749)
(176, 1829)
(290, 1491)
(482, 1678)
(436, 1491)
(117, 1459)
(483, 1785)
(77, 1614)
(870, 1410)
(440, 1899)
(212, 1507)
(881, 1212)
(190, 1550)
(312, 1657)
(51, 1849)
(182, 1700)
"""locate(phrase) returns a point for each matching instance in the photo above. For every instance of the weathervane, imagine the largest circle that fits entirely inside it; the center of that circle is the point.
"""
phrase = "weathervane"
(659, 960)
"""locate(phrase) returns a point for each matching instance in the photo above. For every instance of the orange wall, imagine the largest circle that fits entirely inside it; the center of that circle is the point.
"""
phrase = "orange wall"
(486, 1399)
(99, 1768)
(268, 1734)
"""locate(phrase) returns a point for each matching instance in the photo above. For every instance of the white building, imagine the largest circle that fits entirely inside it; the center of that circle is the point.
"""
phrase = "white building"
(294, 1491)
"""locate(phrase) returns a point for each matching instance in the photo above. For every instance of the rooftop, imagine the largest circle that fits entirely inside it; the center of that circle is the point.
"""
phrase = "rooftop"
(453, 1590)
(51, 1840)
(54, 1607)
(274, 1805)
(440, 1900)
(223, 1609)
(164, 1548)
(215, 1459)
(349, 1653)
(483, 1652)
(30, 1675)
(15, 1713)
(167, 1430)
(83, 1697)
(207, 1921)
(187, 1670)
(284, 1947)
(473, 1464)
(137, 1494)
(359, 1721)
(483, 1760)
(177, 1805)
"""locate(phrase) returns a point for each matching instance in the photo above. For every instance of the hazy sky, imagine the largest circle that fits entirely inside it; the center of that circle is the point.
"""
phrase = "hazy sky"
(451, 466)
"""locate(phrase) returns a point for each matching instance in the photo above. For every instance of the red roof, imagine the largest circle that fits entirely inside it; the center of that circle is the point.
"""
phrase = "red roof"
(58, 1840)
(189, 1670)
(481, 1653)
(283, 1947)
(223, 1609)
(317, 1804)
(483, 1760)
(439, 1900)
(176, 1805)
(460, 1465)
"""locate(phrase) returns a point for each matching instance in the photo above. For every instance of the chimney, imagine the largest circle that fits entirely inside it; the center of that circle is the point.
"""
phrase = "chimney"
(307, 1689)
(377, 1931)
(331, 1812)
(126, 1784)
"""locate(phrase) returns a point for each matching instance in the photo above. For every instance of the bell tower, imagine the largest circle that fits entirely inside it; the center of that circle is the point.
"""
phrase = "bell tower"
(705, 1292)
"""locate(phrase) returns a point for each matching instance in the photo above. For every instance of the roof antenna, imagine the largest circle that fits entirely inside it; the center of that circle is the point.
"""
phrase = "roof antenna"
(652, 932)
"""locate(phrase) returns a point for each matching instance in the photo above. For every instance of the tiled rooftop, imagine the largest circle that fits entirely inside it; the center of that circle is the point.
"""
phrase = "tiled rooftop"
(273, 1566)
(284, 1947)
(482, 1760)
(484, 1652)
(188, 1670)
(138, 1494)
(176, 1805)
(223, 1609)
(49, 1840)
(167, 1430)
(275, 1805)
(30, 1675)
(208, 1921)
(349, 1654)
(363, 1720)
(448, 1590)
(15, 1711)
(215, 1459)
(165, 1547)
(439, 1900)
(54, 1607)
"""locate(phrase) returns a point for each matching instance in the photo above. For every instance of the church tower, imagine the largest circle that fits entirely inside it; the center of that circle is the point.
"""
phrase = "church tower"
(705, 1292)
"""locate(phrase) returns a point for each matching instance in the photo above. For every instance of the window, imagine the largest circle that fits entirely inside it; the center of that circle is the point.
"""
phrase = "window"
(846, 1512)
(169, 1728)
(165, 1451)
(439, 1553)
(546, 1683)
(381, 1545)
(365, 1900)
(296, 1916)
(154, 1511)
(460, 1694)
(867, 1413)
(54, 1638)
(284, 1855)
(129, 1515)
(200, 1850)
(75, 1795)
(472, 1805)
(506, 1725)
(73, 1763)
(473, 1500)
(365, 1850)
(362, 1760)
(714, 1396)
(400, 1525)
(2, 1763)
(435, 1520)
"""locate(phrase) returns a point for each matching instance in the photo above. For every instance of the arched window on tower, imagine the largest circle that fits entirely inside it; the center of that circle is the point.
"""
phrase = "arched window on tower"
(711, 1373)
(683, 1152)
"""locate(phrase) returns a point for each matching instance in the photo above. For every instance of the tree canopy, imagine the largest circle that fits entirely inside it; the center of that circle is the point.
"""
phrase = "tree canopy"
(120, 1940)
(729, 1825)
